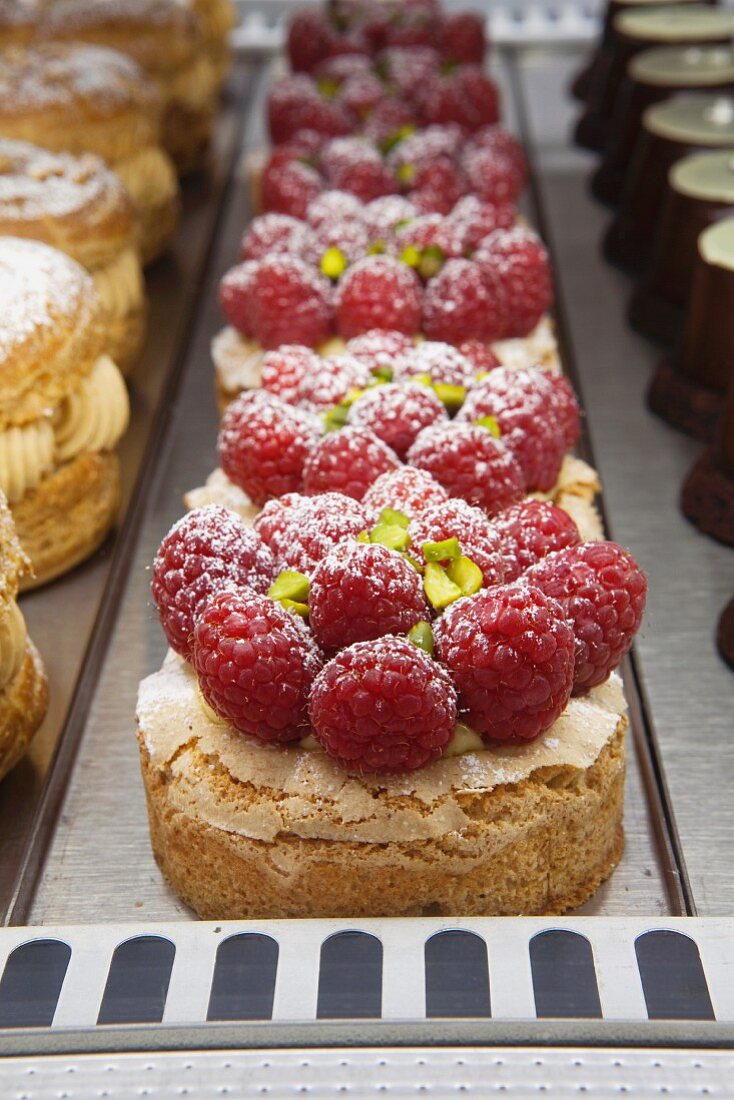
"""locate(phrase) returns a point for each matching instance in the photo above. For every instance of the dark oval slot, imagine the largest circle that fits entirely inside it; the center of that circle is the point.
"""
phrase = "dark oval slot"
(243, 985)
(31, 983)
(672, 976)
(457, 975)
(137, 982)
(564, 978)
(350, 977)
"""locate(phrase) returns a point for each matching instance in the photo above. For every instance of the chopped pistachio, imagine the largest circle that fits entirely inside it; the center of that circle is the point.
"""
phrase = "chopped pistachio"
(391, 535)
(383, 372)
(452, 397)
(335, 417)
(390, 515)
(290, 585)
(296, 607)
(467, 574)
(333, 263)
(376, 248)
(490, 423)
(410, 256)
(421, 635)
(406, 173)
(446, 550)
(432, 258)
(363, 536)
(440, 590)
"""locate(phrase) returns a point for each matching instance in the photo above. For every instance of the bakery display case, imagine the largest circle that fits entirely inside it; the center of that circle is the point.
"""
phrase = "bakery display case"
(109, 986)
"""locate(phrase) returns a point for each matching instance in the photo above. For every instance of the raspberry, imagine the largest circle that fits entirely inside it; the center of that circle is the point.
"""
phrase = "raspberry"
(408, 68)
(309, 39)
(520, 402)
(491, 176)
(256, 663)
(387, 121)
(295, 103)
(360, 93)
(347, 461)
(480, 95)
(397, 413)
(263, 444)
(378, 292)
(436, 188)
(502, 143)
(333, 206)
(477, 537)
(291, 303)
(383, 706)
(382, 216)
(470, 463)
(472, 220)
(481, 357)
(444, 363)
(565, 407)
(361, 591)
(531, 530)
(602, 591)
(301, 530)
(429, 231)
(271, 234)
(288, 185)
(462, 37)
(349, 236)
(284, 369)
(330, 381)
(209, 549)
(341, 66)
(509, 651)
(235, 294)
(407, 490)
(379, 347)
(520, 261)
(352, 164)
(461, 303)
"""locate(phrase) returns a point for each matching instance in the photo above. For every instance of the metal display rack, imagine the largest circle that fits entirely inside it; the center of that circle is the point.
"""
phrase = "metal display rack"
(107, 985)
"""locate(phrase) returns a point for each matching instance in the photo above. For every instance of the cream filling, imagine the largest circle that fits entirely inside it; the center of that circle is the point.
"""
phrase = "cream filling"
(26, 457)
(149, 176)
(238, 360)
(120, 285)
(12, 643)
(195, 86)
(95, 416)
(301, 792)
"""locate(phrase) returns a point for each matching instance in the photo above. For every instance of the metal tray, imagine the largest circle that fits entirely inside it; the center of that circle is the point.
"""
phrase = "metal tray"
(72, 817)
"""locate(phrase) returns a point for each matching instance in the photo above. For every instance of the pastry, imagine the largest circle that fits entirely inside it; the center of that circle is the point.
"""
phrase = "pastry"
(76, 204)
(652, 77)
(700, 191)
(78, 99)
(23, 683)
(63, 408)
(688, 388)
(670, 130)
(165, 38)
(634, 29)
(217, 18)
(18, 21)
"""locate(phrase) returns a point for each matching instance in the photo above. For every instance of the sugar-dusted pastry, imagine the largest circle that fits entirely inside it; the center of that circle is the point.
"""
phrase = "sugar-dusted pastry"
(23, 683)
(165, 37)
(63, 408)
(217, 19)
(18, 21)
(76, 204)
(79, 99)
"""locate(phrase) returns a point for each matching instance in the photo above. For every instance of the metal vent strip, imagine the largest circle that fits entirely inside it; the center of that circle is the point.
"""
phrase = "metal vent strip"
(323, 971)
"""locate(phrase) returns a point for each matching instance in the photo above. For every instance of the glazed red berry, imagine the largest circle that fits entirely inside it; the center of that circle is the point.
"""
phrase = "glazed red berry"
(477, 536)
(602, 591)
(472, 220)
(379, 347)
(383, 216)
(407, 490)
(360, 93)
(331, 380)
(271, 234)
(296, 103)
(510, 653)
(498, 140)
(462, 37)
(284, 369)
(309, 39)
(354, 165)
(347, 461)
(333, 206)
(235, 297)
(520, 260)
(480, 355)
(301, 530)
(531, 530)
(378, 292)
(291, 303)
(255, 663)
(565, 407)
(519, 400)
(443, 363)
(387, 121)
(436, 188)
(462, 303)
(263, 444)
(209, 549)
(470, 463)
(480, 96)
(361, 591)
(383, 706)
(397, 413)
(492, 176)
(288, 184)
(429, 231)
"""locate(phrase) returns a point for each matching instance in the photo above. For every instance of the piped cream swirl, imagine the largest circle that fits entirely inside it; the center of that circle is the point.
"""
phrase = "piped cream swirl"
(95, 416)
(12, 643)
(120, 285)
(149, 176)
(26, 457)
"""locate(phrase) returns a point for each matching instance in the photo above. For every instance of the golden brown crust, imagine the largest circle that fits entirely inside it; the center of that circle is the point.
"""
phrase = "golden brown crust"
(14, 562)
(539, 846)
(125, 338)
(51, 328)
(68, 516)
(78, 98)
(187, 133)
(23, 706)
(75, 204)
(18, 21)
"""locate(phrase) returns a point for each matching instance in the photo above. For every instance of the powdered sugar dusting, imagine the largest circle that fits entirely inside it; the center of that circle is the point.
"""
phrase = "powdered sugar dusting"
(58, 76)
(36, 184)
